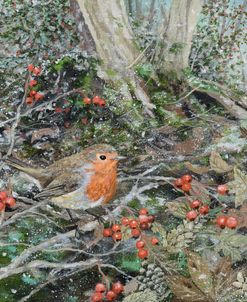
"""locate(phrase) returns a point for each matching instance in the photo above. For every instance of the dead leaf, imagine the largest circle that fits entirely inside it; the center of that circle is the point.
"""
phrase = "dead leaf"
(184, 289)
(131, 287)
(243, 132)
(196, 168)
(239, 187)
(189, 146)
(218, 164)
(178, 208)
(199, 190)
(49, 132)
(223, 275)
(200, 274)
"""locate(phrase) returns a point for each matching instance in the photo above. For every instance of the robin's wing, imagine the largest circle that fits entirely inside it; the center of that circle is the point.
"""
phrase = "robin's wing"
(61, 185)
(76, 200)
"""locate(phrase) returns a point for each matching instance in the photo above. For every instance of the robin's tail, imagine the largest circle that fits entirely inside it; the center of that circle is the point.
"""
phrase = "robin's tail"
(22, 166)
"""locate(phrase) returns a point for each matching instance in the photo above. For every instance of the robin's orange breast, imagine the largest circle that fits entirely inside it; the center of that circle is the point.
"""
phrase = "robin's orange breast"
(102, 185)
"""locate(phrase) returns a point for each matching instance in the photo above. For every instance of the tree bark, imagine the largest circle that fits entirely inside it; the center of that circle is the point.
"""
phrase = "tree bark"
(108, 24)
(177, 35)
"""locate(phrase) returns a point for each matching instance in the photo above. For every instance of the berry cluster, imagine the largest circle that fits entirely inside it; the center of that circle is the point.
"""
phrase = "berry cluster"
(229, 222)
(6, 201)
(135, 226)
(96, 100)
(184, 182)
(198, 208)
(100, 293)
(33, 94)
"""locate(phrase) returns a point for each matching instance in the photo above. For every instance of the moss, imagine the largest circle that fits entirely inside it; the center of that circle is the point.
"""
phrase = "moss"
(129, 262)
(63, 63)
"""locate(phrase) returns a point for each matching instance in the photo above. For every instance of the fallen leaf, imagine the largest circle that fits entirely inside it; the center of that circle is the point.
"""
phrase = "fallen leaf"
(196, 168)
(199, 190)
(200, 273)
(184, 289)
(224, 275)
(189, 146)
(49, 132)
(239, 187)
(147, 295)
(131, 287)
(178, 208)
(230, 243)
(218, 164)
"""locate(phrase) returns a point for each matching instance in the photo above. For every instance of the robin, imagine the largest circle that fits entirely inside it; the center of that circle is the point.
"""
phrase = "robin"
(80, 181)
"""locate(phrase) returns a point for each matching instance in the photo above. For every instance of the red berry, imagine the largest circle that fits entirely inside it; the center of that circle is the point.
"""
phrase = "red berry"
(143, 211)
(30, 67)
(117, 287)
(140, 244)
(144, 226)
(151, 218)
(195, 204)
(33, 83)
(36, 71)
(29, 100)
(191, 215)
(2, 206)
(135, 233)
(3, 195)
(186, 187)
(97, 297)
(58, 110)
(32, 93)
(116, 228)
(107, 232)
(154, 241)
(10, 202)
(178, 182)
(204, 209)
(87, 101)
(100, 288)
(142, 253)
(222, 189)
(66, 124)
(231, 222)
(96, 99)
(186, 178)
(221, 221)
(133, 224)
(38, 96)
(143, 218)
(102, 103)
(111, 296)
(125, 221)
(117, 236)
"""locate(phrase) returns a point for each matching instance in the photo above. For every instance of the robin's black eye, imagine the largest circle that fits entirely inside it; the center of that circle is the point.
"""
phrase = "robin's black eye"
(102, 157)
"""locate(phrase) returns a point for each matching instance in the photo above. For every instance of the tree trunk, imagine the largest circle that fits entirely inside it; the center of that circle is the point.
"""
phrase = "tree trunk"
(177, 35)
(108, 24)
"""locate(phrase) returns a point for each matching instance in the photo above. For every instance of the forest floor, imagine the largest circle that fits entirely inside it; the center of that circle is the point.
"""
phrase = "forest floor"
(45, 116)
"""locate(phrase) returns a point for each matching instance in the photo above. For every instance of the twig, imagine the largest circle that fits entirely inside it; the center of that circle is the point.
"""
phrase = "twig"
(41, 106)
(17, 117)
(23, 213)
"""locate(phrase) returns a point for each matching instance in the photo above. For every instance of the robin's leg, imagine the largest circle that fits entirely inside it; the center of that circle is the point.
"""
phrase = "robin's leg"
(99, 218)
(77, 231)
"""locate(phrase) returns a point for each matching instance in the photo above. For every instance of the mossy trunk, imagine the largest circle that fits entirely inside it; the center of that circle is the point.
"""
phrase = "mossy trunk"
(108, 25)
(177, 34)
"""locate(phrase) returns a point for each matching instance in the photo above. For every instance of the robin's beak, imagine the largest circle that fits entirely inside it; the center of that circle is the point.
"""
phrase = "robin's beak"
(119, 157)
